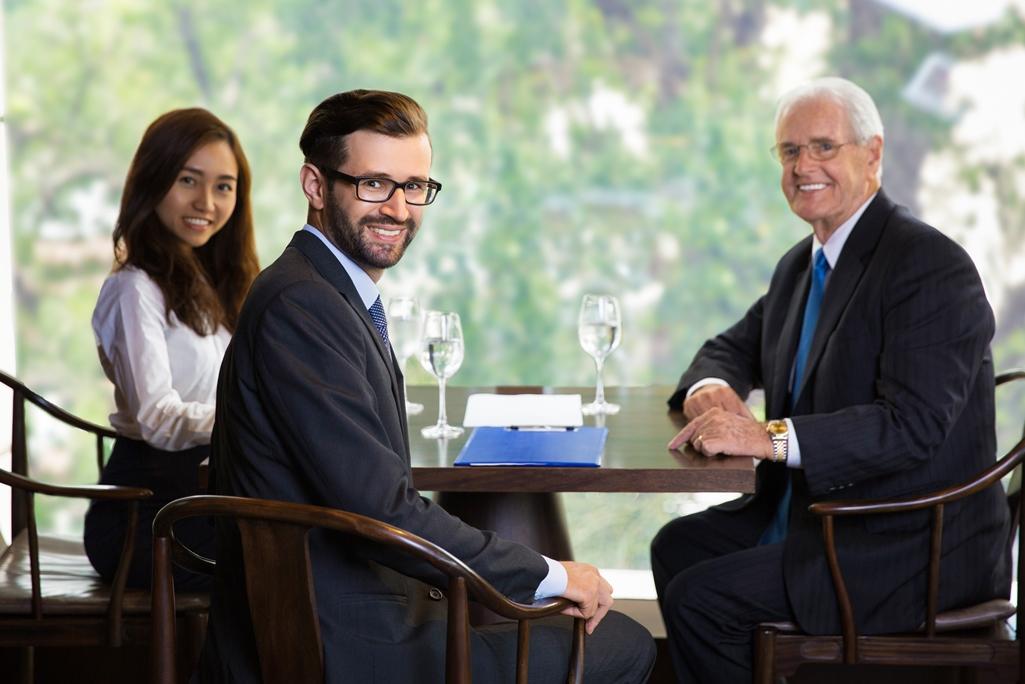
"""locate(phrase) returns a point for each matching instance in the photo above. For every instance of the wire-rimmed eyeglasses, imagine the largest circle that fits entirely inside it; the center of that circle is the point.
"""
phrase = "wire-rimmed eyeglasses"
(819, 150)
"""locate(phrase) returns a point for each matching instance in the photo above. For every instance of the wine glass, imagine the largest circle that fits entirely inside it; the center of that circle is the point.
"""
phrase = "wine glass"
(441, 355)
(406, 326)
(599, 329)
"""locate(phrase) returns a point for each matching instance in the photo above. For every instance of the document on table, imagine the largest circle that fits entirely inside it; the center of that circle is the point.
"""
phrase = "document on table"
(523, 410)
(565, 447)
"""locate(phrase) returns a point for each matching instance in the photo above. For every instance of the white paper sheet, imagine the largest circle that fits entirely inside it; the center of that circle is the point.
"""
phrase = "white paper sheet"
(523, 410)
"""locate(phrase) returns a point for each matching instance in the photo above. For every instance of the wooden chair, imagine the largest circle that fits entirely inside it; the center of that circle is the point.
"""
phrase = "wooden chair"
(274, 536)
(975, 636)
(49, 593)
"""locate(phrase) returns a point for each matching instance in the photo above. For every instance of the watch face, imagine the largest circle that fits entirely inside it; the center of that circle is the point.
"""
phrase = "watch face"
(776, 427)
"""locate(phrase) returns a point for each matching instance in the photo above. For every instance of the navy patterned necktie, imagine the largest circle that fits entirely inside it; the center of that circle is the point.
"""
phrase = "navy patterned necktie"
(380, 321)
(777, 529)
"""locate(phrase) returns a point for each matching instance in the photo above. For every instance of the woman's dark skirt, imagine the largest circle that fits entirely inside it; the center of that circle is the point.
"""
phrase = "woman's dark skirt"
(170, 475)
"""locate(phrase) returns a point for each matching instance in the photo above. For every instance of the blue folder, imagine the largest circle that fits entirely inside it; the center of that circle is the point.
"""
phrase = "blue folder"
(494, 446)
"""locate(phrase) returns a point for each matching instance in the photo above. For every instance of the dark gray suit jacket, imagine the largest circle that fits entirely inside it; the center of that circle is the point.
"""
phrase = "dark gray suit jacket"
(310, 409)
(898, 400)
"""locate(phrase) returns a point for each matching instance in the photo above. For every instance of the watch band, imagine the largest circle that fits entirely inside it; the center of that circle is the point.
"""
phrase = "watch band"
(779, 433)
(779, 449)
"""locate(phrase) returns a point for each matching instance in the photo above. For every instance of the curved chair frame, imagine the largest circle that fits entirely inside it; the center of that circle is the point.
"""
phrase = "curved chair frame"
(275, 533)
(19, 448)
(49, 622)
(781, 647)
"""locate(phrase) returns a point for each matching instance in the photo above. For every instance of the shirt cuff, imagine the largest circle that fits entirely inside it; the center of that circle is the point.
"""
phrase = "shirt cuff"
(793, 448)
(702, 383)
(554, 583)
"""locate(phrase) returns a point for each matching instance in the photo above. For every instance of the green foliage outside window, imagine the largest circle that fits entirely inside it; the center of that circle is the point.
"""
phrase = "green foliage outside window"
(583, 145)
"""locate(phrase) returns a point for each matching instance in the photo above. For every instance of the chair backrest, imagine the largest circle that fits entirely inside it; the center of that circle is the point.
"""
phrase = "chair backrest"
(20, 507)
(935, 501)
(24, 489)
(275, 546)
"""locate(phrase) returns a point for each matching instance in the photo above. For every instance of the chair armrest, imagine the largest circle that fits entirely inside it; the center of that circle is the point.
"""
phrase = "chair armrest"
(486, 594)
(943, 496)
(936, 500)
(185, 557)
(54, 410)
(1008, 376)
(347, 523)
(827, 511)
(107, 492)
(274, 537)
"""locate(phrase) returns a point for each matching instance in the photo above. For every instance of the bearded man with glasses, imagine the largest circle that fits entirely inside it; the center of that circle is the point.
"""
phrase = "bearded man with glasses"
(310, 409)
(872, 347)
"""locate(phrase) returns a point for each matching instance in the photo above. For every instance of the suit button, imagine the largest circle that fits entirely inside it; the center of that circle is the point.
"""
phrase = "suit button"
(435, 594)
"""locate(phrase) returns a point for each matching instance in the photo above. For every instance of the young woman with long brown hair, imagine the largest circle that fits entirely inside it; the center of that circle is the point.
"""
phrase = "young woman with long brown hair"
(184, 259)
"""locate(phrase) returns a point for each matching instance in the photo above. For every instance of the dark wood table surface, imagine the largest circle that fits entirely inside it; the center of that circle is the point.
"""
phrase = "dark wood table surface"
(522, 503)
(635, 460)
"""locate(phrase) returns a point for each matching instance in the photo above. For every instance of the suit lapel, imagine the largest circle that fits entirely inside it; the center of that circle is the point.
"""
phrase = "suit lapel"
(398, 387)
(843, 281)
(332, 271)
(790, 332)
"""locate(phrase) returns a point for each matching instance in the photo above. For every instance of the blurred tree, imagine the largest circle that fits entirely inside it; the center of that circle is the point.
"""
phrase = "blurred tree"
(584, 145)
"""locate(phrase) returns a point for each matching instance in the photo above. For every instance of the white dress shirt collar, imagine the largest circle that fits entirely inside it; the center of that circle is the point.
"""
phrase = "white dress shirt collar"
(365, 285)
(834, 245)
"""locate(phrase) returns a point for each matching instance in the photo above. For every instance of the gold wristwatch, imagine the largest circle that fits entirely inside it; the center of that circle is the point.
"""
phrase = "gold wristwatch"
(779, 433)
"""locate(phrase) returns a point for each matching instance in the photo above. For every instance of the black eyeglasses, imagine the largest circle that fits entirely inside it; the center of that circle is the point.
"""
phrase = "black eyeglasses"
(416, 192)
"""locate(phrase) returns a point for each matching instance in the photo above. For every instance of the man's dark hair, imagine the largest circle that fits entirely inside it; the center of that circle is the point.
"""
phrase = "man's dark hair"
(387, 113)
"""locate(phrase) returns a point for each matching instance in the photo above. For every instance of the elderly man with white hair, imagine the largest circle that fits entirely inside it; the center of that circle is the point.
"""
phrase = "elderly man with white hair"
(872, 346)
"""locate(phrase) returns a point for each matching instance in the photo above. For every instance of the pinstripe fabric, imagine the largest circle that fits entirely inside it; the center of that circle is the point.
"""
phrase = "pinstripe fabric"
(715, 585)
(310, 409)
(898, 399)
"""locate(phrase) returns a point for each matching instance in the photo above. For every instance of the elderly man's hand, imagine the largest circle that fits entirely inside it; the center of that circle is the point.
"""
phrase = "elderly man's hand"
(718, 431)
(589, 590)
(715, 396)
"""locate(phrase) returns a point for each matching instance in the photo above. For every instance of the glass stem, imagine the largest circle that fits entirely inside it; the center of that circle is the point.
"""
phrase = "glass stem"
(442, 417)
(405, 391)
(599, 390)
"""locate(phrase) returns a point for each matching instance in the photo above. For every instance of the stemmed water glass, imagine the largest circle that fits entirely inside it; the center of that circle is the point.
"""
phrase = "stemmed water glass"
(405, 325)
(599, 328)
(441, 355)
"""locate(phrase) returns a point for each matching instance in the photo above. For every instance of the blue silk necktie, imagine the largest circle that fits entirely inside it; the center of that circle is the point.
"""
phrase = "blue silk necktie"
(777, 529)
(380, 321)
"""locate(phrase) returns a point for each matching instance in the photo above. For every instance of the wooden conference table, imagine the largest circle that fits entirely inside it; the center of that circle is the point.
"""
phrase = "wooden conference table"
(521, 503)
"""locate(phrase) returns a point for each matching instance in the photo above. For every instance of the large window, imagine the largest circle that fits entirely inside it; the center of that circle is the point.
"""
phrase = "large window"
(587, 145)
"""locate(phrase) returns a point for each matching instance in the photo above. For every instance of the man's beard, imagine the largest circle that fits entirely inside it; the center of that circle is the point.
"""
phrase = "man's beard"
(351, 238)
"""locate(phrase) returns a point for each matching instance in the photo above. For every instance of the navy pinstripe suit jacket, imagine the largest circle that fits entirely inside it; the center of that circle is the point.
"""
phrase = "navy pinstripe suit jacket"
(898, 400)
(310, 409)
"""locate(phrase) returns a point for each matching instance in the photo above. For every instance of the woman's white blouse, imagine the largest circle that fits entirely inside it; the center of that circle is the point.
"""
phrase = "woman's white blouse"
(164, 374)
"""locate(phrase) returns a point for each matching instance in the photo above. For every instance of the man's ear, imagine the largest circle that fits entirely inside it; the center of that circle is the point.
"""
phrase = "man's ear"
(314, 186)
(875, 152)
